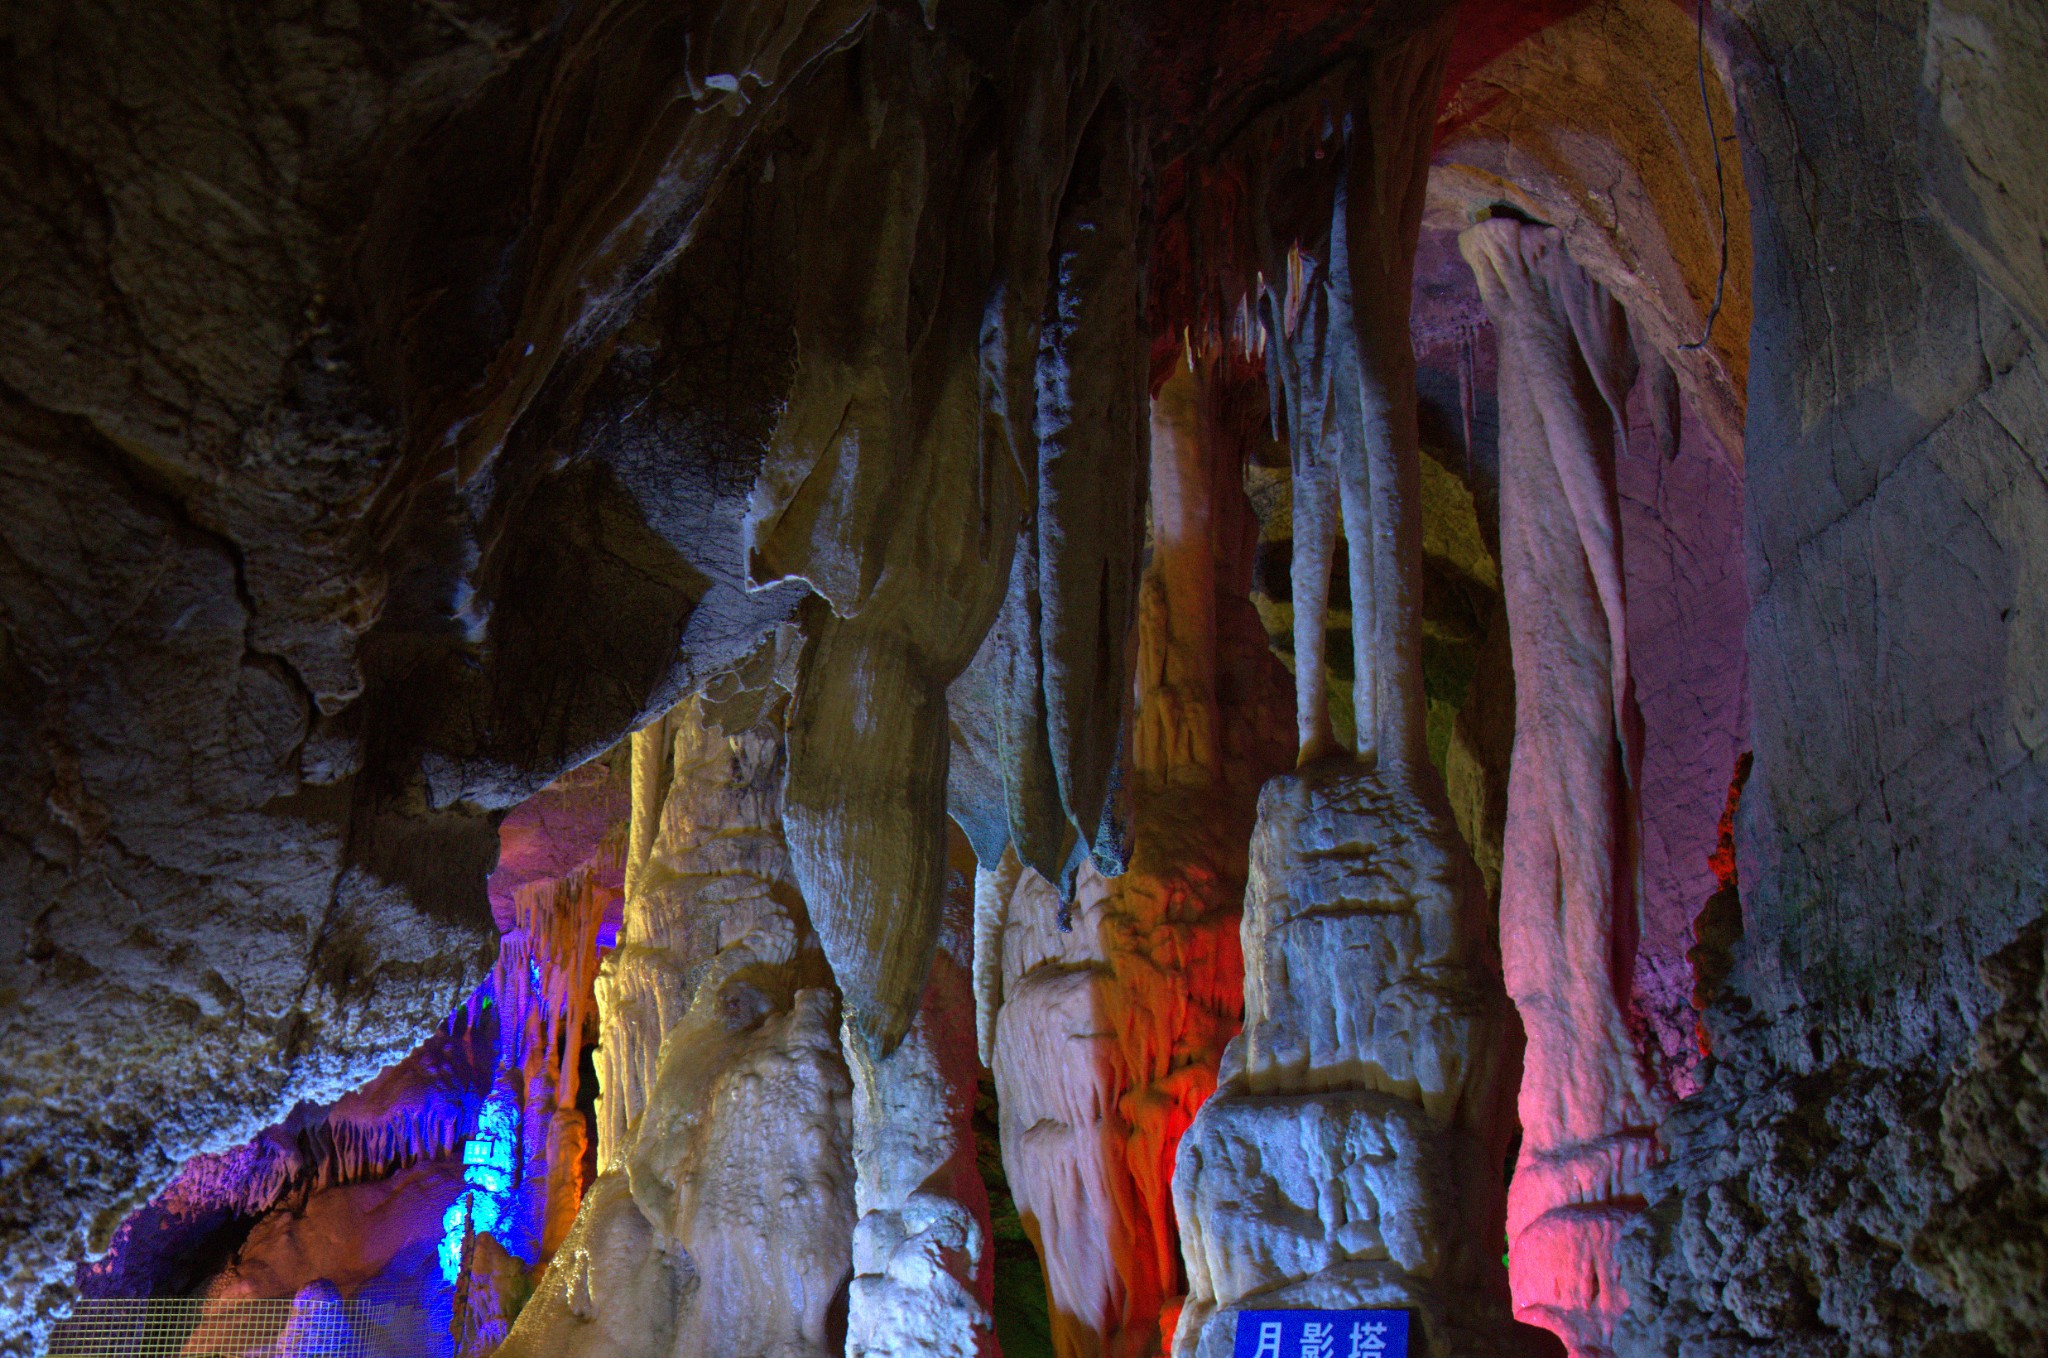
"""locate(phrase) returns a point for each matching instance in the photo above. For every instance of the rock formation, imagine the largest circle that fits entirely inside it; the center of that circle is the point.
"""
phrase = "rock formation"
(922, 1255)
(401, 405)
(1104, 1036)
(1348, 1157)
(722, 1223)
(546, 968)
(405, 1190)
(1571, 871)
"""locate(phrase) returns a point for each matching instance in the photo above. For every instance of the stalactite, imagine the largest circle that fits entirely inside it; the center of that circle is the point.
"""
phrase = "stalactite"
(1569, 873)
(1045, 687)
(1336, 315)
(1351, 1154)
(911, 542)
(1091, 498)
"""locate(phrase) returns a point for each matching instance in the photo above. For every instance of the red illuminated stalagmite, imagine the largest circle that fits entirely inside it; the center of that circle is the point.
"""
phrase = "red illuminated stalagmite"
(1569, 872)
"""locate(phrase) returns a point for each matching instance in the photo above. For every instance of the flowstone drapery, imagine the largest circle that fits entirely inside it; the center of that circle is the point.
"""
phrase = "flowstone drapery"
(721, 1225)
(1351, 1155)
(1570, 864)
(964, 412)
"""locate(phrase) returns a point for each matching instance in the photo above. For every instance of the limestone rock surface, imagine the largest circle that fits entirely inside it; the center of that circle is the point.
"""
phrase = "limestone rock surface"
(1350, 1156)
(723, 1222)
(1894, 681)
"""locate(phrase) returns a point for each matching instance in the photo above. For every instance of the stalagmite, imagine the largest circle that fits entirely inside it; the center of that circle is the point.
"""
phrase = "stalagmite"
(1061, 1125)
(722, 1224)
(1351, 1155)
(922, 1259)
(1104, 1038)
(713, 862)
(1569, 873)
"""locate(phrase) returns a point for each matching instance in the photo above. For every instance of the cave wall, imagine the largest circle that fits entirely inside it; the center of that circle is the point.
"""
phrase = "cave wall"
(230, 887)
(1681, 525)
(1888, 839)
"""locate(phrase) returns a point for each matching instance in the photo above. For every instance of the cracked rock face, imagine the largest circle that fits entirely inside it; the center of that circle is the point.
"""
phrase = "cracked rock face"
(256, 701)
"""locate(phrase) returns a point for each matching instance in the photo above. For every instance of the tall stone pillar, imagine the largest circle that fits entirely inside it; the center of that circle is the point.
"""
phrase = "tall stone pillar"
(1351, 1155)
(1569, 872)
(722, 1223)
(1104, 1038)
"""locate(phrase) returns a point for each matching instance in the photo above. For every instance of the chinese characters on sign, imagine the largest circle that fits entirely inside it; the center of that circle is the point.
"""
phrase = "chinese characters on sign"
(1321, 1334)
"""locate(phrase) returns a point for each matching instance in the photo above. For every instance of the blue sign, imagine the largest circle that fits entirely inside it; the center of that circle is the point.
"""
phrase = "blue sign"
(1321, 1334)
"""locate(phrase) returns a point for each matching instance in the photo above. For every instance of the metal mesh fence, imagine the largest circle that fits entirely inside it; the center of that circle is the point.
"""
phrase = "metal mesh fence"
(198, 1327)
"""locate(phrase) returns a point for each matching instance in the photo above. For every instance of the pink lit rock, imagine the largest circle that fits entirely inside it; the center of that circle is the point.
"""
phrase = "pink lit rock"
(1681, 526)
(1571, 859)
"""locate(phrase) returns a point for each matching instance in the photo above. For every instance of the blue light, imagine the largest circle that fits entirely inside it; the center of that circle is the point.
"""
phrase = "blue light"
(487, 1163)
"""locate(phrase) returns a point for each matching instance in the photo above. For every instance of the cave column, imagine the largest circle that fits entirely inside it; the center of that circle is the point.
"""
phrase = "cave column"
(1568, 879)
(1351, 1154)
(722, 1219)
(1104, 1039)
